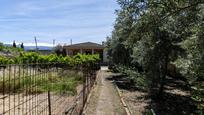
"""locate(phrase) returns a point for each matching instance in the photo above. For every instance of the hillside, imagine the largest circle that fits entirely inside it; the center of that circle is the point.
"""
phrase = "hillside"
(8, 50)
(26, 48)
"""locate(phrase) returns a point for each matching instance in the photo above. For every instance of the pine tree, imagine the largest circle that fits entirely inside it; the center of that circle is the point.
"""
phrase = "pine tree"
(14, 44)
(22, 46)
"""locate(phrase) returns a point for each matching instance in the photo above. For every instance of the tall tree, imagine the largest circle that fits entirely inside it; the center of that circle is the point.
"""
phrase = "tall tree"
(22, 46)
(150, 32)
(14, 44)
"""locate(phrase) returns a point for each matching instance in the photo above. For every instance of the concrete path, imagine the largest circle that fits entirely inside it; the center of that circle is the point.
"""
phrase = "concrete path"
(104, 99)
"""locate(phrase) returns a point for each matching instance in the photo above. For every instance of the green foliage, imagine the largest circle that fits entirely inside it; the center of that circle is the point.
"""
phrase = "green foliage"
(21, 57)
(4, 60)
(33, 57)
(134, 77)
(62, 82)
(192, 66)
(65, 82)
(1, 46)
(86, 59)
(155, 33)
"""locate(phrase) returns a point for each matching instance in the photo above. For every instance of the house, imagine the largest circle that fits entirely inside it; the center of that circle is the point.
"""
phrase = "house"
(87, 48)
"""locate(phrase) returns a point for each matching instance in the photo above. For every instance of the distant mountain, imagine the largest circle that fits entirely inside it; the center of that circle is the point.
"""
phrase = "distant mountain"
(33, 47)
(39, 48)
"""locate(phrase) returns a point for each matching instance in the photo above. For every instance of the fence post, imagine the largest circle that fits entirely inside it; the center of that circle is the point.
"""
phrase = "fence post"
(49, 103)
(49, 99)
(87, 84)
(84, 86)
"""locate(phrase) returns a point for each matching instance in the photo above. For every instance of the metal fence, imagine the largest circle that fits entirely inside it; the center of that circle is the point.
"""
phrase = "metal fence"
(80, 100)
(38, 89)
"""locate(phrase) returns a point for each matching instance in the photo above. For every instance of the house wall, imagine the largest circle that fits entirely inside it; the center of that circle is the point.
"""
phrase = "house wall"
(105, 59)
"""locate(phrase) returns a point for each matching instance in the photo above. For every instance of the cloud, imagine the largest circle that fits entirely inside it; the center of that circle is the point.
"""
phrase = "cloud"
(27, 8)
(80, 20)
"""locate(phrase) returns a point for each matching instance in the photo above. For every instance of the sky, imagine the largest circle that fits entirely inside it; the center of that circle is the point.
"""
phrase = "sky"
(62, 20)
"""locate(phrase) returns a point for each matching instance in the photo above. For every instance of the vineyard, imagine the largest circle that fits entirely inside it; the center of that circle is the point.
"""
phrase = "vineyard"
(31, 83)
(33, 57)
(45, 88)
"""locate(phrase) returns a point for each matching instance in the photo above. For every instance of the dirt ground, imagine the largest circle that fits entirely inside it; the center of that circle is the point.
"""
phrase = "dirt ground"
(34, 104)
(104, 99)
(137, 100)
(20, 103)
(175, 100)
(37, 104)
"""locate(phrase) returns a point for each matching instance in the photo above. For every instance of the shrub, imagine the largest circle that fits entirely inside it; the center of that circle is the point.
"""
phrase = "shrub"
(4, 60)
(135, 78)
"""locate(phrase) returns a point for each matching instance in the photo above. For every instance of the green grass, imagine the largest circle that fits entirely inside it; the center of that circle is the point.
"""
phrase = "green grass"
(64, 82)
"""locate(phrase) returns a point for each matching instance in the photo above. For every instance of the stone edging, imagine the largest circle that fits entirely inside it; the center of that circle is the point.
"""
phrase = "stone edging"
(127, 110)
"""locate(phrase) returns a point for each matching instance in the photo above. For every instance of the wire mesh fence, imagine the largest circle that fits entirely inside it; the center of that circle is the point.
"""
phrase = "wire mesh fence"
(80, 100)
(45, 89)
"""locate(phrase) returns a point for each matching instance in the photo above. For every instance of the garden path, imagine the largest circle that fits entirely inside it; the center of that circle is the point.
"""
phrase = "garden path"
(104, 99)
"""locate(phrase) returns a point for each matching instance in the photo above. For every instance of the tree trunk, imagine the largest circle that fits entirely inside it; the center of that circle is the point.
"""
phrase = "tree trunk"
(163, 76)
